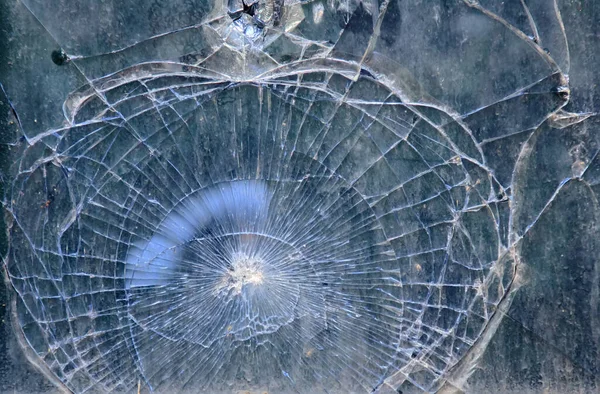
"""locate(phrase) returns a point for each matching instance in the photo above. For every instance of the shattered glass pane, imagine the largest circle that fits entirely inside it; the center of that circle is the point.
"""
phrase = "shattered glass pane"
(282, 196)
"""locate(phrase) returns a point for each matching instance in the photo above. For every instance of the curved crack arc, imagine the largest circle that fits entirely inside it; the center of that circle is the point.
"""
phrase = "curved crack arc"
(294, 213)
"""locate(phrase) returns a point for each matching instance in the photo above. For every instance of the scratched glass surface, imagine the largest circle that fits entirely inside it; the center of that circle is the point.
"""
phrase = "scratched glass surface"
(282, 196)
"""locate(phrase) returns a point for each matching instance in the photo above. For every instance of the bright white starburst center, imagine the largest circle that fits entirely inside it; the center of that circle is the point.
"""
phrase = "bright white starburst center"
(245, 270)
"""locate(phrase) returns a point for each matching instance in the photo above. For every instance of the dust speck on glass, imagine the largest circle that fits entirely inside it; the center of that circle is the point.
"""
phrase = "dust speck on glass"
(279, 196)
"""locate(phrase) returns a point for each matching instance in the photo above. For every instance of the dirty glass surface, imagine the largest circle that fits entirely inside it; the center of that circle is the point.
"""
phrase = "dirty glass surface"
(301, 196)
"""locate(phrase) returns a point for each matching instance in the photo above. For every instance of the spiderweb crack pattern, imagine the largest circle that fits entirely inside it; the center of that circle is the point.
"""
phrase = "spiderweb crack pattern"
(280, 209)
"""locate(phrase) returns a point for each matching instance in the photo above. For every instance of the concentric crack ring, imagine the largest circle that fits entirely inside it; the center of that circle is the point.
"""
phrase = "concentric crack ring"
(307, 231)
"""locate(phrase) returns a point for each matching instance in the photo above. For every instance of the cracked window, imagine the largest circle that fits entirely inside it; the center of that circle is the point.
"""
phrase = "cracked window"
(292, 196)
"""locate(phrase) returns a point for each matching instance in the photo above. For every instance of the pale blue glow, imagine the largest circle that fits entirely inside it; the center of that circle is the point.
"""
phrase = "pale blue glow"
(234, 206)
